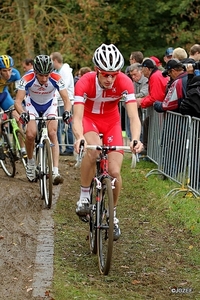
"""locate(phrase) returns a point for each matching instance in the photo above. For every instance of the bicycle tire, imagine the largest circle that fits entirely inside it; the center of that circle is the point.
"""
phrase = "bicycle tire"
(92, 219)
(8, 163)
(106, 226)
(18, 151)
(47, 173)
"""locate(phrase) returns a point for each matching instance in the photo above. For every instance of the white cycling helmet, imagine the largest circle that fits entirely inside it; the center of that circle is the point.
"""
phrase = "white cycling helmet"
(108, 58)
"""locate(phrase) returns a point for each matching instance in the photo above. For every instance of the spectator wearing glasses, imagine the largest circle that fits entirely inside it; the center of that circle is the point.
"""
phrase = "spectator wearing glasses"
(97, 95)
(140, 83)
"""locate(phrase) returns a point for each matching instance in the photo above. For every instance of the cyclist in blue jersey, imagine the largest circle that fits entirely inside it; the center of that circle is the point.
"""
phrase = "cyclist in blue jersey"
(8, 76)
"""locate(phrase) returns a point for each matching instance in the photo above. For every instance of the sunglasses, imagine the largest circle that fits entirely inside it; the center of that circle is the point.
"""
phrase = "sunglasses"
(107, 74)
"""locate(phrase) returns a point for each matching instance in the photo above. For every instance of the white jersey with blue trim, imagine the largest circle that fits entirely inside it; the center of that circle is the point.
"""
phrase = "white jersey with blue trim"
(41, 94)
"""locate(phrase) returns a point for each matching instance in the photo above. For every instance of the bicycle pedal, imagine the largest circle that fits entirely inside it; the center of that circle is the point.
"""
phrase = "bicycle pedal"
(84, 219)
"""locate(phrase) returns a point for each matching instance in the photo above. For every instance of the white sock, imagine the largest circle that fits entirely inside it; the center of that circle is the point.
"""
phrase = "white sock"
(115, 212)
(55, 170)
(85, 192)
(31, 161)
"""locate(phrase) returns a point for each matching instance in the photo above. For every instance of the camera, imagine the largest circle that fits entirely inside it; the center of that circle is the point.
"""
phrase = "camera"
(195, 65)
(165, 73)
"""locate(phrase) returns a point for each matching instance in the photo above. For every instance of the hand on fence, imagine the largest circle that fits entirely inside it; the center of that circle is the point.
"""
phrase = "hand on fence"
(24, 118)
(158, 106)
(67, 117)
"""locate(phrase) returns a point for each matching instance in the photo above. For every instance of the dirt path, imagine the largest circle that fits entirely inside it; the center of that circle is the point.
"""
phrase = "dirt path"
(26, 232)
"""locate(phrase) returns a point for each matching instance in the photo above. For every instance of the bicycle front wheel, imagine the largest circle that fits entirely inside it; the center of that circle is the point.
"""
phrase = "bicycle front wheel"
(47, 173)
(105, 228)
(8, 161)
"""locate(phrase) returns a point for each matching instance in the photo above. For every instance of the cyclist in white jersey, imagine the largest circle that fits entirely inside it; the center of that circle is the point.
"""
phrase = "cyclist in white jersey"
(40, 86)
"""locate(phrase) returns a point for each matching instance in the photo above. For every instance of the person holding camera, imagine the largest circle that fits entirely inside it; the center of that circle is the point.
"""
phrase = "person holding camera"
(177, 90)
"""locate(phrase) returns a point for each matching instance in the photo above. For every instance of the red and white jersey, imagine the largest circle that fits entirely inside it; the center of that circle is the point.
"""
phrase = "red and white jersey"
(41, 94)
(97, 100)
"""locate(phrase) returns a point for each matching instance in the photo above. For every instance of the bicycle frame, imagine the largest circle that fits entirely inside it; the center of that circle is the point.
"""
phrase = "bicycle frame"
(15, 127)
(101, 215)
(44, 170)
(12, 146)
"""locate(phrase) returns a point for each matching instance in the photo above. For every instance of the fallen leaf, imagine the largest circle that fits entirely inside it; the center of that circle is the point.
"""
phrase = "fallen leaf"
(136, 281)
(47, 293)
(125, 267)
(190, 247)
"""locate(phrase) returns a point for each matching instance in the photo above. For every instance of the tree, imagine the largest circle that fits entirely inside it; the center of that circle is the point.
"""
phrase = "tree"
(77, 28)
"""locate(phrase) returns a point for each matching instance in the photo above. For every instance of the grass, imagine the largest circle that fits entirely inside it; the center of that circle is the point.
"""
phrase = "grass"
(158, 249)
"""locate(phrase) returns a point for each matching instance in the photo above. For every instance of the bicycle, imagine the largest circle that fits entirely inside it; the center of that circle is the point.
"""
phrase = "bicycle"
(44, 169)
(101, 208)
(10, 148)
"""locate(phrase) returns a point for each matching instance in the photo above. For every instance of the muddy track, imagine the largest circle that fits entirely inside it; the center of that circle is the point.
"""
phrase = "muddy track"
(20, 221)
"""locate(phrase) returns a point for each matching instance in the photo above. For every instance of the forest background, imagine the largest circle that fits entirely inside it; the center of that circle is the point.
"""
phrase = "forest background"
(77, 27)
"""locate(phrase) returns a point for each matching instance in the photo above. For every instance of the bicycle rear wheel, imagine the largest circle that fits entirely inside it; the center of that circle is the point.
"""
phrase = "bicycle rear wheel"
(47, 173)
(105, 228)
(20, 136)
(8, 163)
(92, 219)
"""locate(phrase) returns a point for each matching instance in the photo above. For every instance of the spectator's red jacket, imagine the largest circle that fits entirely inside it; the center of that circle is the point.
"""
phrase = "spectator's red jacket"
(157, 88)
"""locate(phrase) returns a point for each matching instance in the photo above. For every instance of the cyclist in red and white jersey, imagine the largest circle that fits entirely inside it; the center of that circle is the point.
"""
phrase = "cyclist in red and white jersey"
(40, 86)
(97, 95)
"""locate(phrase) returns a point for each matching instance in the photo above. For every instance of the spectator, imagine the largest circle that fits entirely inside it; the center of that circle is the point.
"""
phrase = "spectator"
(81, 72)
(27, 65)
(157, 88)
(195, 52)
(135, 57)
(168, 54)
(182, 56)
(140, 83)
(177, 90)
(66, 73)
(76, 77)
(157, 62)
(191, 104)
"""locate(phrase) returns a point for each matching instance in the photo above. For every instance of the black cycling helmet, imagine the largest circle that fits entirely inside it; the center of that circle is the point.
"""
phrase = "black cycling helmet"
(43, 64)
(108, 58)
(6, 62)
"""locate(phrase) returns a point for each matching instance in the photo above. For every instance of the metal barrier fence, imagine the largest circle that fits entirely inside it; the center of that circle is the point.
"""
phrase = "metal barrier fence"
(194, 157)
(155, 127)
(178, 144)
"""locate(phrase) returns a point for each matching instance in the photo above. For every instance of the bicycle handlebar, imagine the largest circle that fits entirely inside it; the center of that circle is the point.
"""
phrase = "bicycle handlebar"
(109, 148)
(7, 111)
(43, 118)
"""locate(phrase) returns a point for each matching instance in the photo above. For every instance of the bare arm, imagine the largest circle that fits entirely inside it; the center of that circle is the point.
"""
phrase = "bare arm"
(66, 100)
(18, 101)
(135, 125)
(77, 125)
